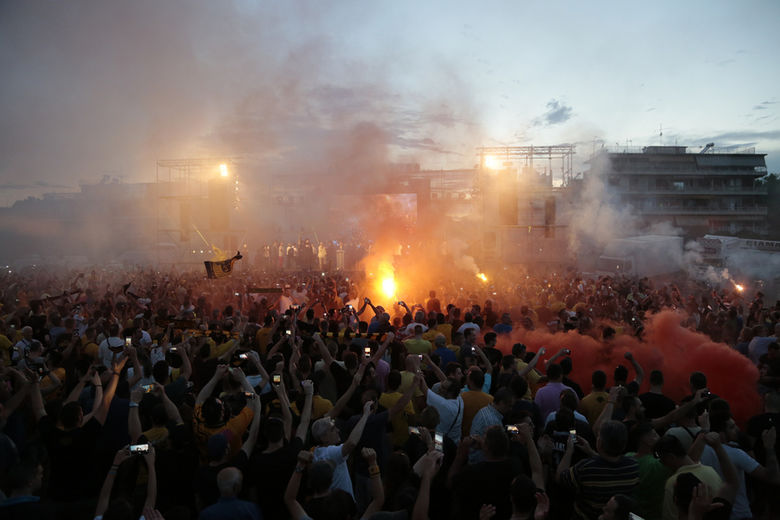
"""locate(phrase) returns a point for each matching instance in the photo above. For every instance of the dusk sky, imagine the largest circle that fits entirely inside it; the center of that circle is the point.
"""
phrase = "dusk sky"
(96, 89)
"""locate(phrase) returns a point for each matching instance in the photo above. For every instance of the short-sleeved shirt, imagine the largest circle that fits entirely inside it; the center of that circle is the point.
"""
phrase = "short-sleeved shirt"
(596, 480)
(341, 478)
(473, 401)
(418, 346)
(743, 463)
(234, 429)
(593, 404)
(649, 494)
(400, 422)
(704, 473)
(450, 414)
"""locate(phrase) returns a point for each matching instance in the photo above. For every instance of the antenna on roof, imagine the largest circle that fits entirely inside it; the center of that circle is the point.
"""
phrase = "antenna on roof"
(660, 135)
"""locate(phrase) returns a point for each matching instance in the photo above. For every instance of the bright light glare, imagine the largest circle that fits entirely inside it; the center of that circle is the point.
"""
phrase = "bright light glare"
(492, 162)
(386, 280)
(482, 276)
(739, 287)
(388, 287)
(223, 170)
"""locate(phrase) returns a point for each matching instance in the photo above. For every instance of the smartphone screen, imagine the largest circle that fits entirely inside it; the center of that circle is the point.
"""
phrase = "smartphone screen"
(277, 378)
(128, 342)
(367, 351)
(438, 442)
(139, 448)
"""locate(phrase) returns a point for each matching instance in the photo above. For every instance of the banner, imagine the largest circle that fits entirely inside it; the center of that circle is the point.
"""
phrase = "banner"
(221, 269)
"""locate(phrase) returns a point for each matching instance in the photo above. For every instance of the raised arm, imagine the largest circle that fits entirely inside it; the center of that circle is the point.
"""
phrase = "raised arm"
(534, 361)
(134, 428)
(294, 485)
(526, 433)
(436, 370)
(249, 443)
(606, 413)
(108, 484)
(554, 358)
(376, 488)
(357, 431)
(303, 426)
(640, 373)
(338, 407)
(208, 388)
(380, 352)
(284, 403)
(400, 404)
(108, 395)
(132, 353)
(151, 483)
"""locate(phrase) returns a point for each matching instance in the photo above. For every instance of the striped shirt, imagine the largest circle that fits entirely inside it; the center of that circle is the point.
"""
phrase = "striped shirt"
(596, 480)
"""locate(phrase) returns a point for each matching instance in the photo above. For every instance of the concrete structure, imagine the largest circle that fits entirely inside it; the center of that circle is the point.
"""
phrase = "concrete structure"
(712, 191)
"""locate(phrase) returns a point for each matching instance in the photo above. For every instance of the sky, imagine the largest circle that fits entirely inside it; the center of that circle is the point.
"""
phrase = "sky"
(101, 90)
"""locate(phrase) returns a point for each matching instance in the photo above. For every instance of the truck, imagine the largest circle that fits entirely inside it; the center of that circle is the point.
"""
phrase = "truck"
(639, 256)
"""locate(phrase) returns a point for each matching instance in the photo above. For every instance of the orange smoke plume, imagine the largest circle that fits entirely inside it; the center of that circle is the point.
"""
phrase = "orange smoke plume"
(666, 346)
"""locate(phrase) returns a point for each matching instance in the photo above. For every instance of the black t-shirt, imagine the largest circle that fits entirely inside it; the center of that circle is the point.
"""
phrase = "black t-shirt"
(574, 386)
(69, 451)
(269, 473)
(656, 405)
(484, 483)
(758, 424)
(206, 478)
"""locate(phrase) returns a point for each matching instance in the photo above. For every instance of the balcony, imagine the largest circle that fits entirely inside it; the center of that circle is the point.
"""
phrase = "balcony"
(760, 211)
(722, 190)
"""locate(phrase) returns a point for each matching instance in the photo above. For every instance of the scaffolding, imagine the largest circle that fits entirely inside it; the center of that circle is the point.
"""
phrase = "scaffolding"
(181, 190)
(507, 156)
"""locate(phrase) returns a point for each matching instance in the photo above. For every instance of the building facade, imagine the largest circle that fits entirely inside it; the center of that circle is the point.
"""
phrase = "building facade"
(712, 191)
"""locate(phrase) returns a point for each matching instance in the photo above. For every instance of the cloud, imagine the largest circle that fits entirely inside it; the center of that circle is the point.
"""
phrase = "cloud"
(557, 112)
(763, 105)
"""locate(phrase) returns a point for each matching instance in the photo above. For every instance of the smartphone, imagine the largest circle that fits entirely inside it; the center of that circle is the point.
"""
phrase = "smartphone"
(438, 442)
(573, 434)
(139, 449)
(147, 388)
(174, 349)
(367, 351)
(288, 332)
(414, 430)
(419, 356)
(243, 356)
(128, 342)
(238, 294)
(349, 307)
(277, 379)
(250, 395)
(511, 429)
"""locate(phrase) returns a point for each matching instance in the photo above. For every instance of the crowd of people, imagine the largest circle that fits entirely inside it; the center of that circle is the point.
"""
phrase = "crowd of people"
(161, 394)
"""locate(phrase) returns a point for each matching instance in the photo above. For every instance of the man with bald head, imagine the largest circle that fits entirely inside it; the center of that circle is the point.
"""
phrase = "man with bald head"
(229, 482)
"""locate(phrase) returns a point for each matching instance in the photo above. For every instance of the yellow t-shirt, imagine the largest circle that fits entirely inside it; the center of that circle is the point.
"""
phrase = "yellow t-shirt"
(262, 337)
(532, 377)
(446, 329)
(592, 404)
(472, 402)
(319, 407)
(5, 349)
(418, 346)
(400, 422)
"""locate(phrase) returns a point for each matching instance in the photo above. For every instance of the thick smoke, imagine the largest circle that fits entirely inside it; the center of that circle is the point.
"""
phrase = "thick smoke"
(666, 346)
(105, 90)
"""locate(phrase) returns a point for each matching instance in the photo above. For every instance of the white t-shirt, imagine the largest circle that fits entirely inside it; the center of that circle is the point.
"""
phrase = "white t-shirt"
(469, 325)
(450, 414)
(105, 354)
(341, 478)
(743, 463)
